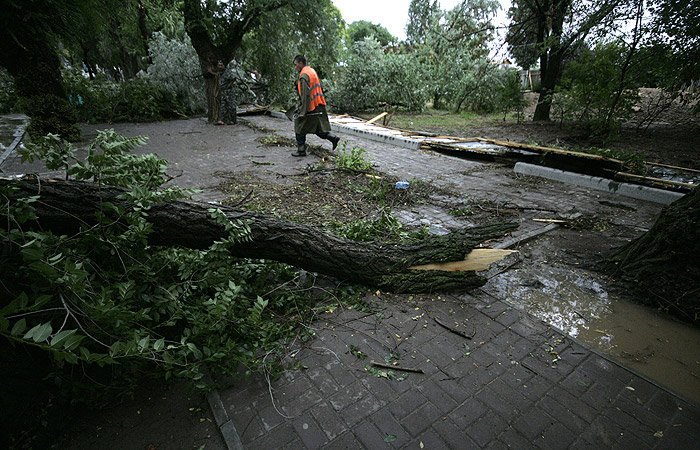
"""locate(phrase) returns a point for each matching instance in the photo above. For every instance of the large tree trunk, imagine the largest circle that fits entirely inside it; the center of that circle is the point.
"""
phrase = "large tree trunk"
(67, 206)
(663, 265)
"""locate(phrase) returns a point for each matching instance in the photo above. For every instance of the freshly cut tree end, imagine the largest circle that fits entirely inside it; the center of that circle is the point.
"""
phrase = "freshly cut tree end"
(477, 260)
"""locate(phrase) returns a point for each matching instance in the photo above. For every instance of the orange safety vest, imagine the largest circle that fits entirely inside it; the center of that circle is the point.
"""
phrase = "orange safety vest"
(315, 92)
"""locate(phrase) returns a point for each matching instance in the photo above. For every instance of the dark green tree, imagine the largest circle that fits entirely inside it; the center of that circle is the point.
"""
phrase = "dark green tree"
(423, 16)
(361, 29)
(217, 30)
(555, 30)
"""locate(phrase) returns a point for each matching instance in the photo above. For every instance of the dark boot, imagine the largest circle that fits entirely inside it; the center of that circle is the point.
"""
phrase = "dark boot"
(334, 140)
(301, 150)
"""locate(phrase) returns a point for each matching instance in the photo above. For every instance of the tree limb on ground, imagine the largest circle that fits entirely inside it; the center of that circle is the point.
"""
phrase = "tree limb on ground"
(66, 207)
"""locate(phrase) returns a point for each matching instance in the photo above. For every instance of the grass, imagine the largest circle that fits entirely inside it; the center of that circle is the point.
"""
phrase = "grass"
(444, 120)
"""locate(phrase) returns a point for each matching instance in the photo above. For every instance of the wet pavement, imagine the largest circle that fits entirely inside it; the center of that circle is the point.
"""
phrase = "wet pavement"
(517, 382)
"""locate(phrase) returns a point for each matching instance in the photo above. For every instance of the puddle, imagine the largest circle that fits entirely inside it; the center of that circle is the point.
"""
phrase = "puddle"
(576, 302)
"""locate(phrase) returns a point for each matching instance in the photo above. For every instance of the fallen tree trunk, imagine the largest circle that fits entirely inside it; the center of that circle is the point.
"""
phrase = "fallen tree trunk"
(67, 206)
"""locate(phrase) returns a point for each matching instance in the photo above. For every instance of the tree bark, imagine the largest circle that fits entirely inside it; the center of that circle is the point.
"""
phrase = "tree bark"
(67, 206)
(662, 266)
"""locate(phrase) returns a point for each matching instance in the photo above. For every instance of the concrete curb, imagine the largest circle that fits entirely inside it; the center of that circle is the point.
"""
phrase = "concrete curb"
(224, 422)
(378, 136)
(602, 184)
(19, 134)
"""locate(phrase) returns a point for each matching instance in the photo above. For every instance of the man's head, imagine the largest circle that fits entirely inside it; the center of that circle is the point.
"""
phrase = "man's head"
(299, 62)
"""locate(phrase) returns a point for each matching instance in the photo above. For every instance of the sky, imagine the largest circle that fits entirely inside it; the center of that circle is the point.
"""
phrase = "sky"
(393, 14)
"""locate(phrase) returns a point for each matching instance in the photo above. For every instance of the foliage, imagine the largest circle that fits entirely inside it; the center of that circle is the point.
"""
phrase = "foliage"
(589, 82)
(281, 35)
(106, 299)
(353, 159)
(554, 31)
(451, 48)
(135, 100)
(175, 69)
(361, 29)
(372, 77)
(386, 227)
(49, 114)
(7, 92)
(423, 16)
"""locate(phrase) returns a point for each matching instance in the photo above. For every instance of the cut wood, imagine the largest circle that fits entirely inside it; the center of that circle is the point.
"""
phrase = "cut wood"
(67, 207)
(374, 119)
(477, 260)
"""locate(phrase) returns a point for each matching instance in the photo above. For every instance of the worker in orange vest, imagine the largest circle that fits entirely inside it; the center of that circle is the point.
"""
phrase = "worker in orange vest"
(310, 117)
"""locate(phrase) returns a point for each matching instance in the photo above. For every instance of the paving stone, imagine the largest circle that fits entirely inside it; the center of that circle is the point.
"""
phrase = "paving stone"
(429, 440)
(532, 422)
(455, 390)
(308, 430)
(468, 412)
(407, 403)
(577, 382)
(387, 425)
(514, 439)
(248, 424)
(508, 317)
(437, 396)
(361, 410)
(270, 418)
(677, 438)
(602, 433)
(487, 429)
(454, 437)
(664, 404)
(346, 441)
(348, 395)
(563, 415)
(369, 435)
(554, 437)
(536, 387)
(329, 420)
(420, 419)
(578, 407)
(283, 435)
(501, 405)
(323, 381)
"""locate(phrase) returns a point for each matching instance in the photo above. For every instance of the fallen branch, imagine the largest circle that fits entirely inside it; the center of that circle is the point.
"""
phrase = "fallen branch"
(402, 369)
(457, 332)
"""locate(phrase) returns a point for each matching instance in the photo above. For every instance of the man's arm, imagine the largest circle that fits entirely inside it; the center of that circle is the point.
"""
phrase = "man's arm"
(304, 96)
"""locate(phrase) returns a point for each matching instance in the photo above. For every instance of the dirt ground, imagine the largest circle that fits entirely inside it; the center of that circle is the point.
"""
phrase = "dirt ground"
(249, 166)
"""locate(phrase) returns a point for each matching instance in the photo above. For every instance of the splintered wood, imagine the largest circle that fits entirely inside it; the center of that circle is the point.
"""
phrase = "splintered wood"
(477, 260)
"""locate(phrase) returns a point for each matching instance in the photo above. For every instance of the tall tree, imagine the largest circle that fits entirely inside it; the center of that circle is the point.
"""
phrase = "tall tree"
(450, 44)
(217, 30)
(555, 29)
(361, 29)
(423, 15)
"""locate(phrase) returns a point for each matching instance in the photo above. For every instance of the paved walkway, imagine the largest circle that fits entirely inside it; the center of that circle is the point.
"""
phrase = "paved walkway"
(517, 383)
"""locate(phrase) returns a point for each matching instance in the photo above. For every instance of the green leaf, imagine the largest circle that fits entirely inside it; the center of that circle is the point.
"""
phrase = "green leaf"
(193, 348)
(61, 337)
(143, 343)
(39, 333)
(390, 438)
(159, 344)
(19, 327)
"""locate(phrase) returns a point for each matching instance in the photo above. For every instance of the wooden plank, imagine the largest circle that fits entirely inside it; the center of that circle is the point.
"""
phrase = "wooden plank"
(683, 169)
(374, 119)
(654, 182)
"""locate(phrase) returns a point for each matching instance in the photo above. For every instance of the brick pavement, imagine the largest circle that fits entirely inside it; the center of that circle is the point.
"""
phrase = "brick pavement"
(516, 384)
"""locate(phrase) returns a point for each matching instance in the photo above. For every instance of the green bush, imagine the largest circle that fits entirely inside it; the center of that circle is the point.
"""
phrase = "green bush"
(8, 99)
(49, 114)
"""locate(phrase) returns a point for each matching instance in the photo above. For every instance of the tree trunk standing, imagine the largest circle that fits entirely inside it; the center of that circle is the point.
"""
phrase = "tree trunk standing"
(662, 266)
(212, 83)
(66, 206)
(550, 23)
